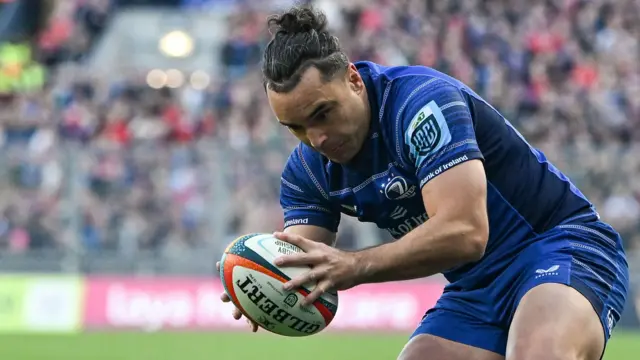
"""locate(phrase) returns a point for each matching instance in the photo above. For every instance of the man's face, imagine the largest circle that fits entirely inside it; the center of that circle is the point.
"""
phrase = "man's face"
(332, 117)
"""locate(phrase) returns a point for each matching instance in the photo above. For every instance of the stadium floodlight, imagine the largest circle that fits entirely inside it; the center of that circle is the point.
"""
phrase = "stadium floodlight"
(200, 80)
(156, 79)
(177, 44)
(175, 78)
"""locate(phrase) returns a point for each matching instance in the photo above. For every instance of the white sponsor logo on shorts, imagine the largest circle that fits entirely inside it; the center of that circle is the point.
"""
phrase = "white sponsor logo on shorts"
(552, 271)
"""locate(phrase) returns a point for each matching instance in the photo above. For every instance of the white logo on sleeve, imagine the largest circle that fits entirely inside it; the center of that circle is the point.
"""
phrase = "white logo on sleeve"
(552, 271)
(296, 222)
(427, 133)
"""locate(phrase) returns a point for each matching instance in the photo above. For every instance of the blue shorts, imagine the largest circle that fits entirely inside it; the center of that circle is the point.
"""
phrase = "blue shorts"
(478, 310)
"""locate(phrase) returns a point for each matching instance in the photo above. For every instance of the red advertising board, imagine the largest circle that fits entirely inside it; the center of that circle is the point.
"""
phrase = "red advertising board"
(152, 304)
(194, 304)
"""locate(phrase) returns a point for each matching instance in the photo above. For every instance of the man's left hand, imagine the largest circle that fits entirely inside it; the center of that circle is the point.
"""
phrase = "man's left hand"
(332, 269)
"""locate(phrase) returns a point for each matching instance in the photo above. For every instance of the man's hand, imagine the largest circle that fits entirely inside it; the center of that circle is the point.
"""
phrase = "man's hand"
(332, 269)
(236, 312)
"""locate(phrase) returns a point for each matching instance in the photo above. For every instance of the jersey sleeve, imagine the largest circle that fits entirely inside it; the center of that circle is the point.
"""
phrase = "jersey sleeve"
(436, 131)
(302, 197)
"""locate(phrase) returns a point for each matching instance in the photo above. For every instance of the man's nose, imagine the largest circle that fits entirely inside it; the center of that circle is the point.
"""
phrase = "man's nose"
(317, 138)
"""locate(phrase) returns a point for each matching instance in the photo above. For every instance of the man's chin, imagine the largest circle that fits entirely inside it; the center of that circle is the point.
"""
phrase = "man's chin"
(339, 158)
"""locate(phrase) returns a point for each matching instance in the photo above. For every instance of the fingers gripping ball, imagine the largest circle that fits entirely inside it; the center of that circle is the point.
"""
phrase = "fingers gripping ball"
(254, 284)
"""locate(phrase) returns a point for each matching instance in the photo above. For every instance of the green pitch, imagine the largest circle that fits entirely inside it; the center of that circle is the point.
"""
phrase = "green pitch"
(230, 346)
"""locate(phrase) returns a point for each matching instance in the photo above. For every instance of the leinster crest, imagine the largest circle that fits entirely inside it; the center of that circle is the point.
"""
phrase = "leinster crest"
(397, 189)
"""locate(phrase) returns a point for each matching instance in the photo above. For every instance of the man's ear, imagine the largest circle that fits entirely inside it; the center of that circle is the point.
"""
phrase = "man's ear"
(355, 80)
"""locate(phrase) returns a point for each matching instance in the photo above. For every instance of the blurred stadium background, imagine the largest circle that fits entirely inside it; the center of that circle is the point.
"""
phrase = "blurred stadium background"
(136, 143)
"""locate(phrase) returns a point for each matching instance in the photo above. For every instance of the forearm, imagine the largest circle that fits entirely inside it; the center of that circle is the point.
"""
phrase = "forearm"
(431, 248)
(315, 233)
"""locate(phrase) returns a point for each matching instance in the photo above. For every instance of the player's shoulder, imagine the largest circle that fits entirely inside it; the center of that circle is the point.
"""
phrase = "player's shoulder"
(398, 80)
(305, 172)
(304, 164)
(303, 156)
(419, 108)
(400, 89)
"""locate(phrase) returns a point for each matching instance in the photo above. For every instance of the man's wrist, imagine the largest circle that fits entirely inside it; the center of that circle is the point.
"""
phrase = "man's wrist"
(364, 266)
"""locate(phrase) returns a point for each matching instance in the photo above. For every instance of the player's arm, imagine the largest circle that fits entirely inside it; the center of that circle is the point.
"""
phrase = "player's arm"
(439, 142)
(312, 232)
(306, 208)
(456, 232)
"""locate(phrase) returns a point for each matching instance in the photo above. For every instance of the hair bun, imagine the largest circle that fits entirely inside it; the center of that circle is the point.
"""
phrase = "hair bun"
(300, 20)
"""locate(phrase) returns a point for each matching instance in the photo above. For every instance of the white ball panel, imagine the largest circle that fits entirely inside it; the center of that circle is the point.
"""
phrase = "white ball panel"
(270, 248)
(262, 297)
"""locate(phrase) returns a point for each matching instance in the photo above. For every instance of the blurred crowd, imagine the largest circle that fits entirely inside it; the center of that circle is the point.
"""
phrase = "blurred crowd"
(112, 164)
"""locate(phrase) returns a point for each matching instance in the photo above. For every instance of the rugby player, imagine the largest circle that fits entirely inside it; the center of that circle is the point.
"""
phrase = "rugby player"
(534, 273)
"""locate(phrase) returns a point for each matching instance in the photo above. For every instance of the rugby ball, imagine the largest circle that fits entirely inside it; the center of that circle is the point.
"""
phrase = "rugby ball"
(254, 284)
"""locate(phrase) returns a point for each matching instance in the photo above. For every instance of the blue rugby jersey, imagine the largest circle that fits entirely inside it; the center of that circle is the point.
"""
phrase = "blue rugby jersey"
(423, 123)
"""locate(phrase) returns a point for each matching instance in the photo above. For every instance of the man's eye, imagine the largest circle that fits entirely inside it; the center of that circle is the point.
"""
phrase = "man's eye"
(321, 117)
(294, 127)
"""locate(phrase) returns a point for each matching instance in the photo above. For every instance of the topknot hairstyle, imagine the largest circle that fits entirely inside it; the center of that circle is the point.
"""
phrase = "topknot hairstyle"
(300, 40)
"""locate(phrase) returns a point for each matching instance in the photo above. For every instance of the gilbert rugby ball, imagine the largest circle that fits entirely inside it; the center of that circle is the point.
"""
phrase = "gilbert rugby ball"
(254, 285)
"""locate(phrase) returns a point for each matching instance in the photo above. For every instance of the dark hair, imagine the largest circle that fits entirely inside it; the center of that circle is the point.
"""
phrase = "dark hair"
(301, 40)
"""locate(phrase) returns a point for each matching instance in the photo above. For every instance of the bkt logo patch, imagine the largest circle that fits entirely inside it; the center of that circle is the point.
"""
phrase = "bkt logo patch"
(398, 189)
